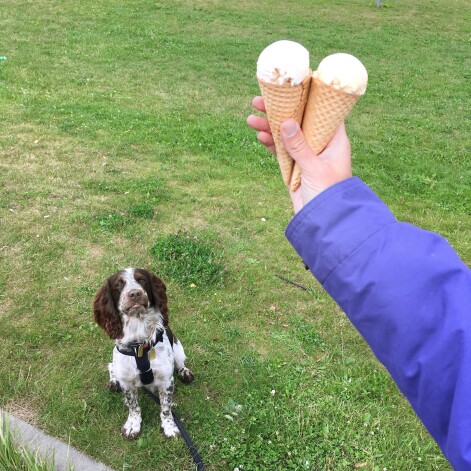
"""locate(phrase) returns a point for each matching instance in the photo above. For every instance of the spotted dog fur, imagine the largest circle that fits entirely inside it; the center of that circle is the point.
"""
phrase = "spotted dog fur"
(131, 306)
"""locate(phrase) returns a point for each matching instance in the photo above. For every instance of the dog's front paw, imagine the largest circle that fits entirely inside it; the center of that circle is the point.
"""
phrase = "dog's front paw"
(169, 429)
(186, 375)
(131, 429)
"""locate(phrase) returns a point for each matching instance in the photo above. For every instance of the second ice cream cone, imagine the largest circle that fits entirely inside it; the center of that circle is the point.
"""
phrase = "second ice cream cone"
(283, 102)
(326, 108)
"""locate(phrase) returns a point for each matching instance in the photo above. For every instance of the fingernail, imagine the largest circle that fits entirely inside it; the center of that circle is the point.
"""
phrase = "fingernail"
(290, 127)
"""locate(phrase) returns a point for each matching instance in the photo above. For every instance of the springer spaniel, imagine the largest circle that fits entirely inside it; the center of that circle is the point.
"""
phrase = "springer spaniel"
(131, 307)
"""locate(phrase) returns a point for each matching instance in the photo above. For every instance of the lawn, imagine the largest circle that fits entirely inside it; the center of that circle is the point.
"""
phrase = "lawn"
(123, 132)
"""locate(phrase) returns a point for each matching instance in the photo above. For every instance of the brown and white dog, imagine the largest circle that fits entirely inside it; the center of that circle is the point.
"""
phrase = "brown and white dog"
(131, 307)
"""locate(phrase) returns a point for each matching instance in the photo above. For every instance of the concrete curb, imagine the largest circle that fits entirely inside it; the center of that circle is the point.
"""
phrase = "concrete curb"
(65, 456)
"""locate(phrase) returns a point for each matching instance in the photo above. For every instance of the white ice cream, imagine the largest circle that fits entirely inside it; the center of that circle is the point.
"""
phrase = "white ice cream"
(283, 61)
(344, 72)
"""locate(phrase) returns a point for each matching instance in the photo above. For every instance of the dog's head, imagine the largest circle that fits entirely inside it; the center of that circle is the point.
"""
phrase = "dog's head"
(130, 292)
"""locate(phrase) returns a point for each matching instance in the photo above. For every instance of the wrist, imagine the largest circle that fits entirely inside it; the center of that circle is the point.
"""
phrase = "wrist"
(310, 190)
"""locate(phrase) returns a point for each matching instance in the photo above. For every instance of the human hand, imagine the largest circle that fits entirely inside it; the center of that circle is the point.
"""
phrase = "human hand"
(318, 172)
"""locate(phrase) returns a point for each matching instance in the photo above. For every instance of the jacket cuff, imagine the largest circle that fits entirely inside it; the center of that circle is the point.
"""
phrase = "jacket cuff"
(335, 223)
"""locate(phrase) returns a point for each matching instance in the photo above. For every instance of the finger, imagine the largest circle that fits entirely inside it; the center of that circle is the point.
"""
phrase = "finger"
(258, 123)
(294, 141)
(259, 104)
(267, 140)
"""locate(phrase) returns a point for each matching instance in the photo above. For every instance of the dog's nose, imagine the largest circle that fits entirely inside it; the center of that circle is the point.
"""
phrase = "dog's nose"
(135, 294)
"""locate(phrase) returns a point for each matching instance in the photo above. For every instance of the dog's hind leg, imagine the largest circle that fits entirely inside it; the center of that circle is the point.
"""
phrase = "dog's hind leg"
(184, 373)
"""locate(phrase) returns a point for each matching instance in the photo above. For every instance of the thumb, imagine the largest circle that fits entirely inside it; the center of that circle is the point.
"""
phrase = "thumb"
(294, 141)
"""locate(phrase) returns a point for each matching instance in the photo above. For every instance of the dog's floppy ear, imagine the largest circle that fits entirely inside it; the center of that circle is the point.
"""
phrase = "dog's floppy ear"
(106, 313)
(159, 295)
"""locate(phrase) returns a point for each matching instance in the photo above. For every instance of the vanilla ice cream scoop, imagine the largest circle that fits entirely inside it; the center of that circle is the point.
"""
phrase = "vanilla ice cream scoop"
(343, 72)
(283, 62)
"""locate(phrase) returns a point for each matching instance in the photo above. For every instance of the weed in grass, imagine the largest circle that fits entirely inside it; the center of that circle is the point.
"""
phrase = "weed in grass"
(306, 334)
(191, 259)
(142, 210)
(14, 457)
(112, 221)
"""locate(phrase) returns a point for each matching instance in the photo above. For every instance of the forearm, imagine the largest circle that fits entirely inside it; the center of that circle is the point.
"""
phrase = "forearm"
(407, 293)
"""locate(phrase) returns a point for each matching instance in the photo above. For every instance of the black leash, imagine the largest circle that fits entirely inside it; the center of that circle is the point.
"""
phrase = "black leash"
(292, 282)
(193, 451)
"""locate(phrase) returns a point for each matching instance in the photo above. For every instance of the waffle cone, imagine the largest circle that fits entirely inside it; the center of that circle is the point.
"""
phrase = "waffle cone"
(326, 109)
(283, 102)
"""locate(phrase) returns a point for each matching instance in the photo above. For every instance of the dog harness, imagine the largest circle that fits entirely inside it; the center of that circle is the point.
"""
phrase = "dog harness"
(140, 351)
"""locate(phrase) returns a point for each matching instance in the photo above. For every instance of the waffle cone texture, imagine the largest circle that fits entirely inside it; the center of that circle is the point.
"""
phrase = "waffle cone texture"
(326, 108)
(283, 102)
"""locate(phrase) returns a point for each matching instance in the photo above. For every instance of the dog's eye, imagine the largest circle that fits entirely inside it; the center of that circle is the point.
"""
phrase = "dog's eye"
(141, 281)
(119, 284)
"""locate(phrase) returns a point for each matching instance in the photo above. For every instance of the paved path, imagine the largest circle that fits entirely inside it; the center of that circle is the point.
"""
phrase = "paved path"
(47, 446)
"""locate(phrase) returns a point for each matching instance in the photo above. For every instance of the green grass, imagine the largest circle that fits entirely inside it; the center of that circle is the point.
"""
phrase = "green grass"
(14, 457)
(123, 125)
(189, 259)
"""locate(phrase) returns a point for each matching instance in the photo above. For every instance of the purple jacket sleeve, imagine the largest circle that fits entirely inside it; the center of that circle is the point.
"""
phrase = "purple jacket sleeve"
(408, 294)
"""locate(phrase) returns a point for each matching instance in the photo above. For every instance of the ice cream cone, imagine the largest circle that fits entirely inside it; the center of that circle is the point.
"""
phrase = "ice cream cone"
(326, 108)
(283, 102)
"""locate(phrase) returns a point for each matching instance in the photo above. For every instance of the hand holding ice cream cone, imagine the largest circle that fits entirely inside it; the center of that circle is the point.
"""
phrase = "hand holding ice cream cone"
(318, 171)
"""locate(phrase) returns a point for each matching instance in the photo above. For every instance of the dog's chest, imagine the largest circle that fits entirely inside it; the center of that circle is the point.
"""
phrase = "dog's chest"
(140, 328)
(161, 361)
